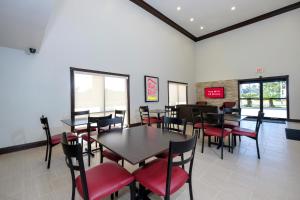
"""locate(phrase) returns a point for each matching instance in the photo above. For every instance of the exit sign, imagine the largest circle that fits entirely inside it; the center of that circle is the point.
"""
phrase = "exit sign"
(259, 70)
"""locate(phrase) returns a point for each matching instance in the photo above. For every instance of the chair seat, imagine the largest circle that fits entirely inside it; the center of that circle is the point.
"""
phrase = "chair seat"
(111, 155)
(199, 125)
(153, 120)
(214, 131)
(86, 138)
(104, 179)
(243, 132)
(55, 139)
(230, 125)
(153, 176)
(84, 130)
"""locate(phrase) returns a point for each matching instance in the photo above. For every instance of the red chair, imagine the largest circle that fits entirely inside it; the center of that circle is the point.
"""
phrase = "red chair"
(97, 182)
(175, 125)
(215, 131)
(145, 116)
(106, 153)
(80, 130)
(197, 123)
(53, 140)
(253, 134)
(164, 177)
(87, 136)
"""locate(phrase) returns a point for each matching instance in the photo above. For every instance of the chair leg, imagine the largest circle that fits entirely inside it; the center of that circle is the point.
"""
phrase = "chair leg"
(202, 149)
(73, 192)
(46, 157)
(182, 159)
(240, 138)
(132, 190)
(222, 145)
(112, 196)
(122, 162)
(191, 190)
(49, 158)
(117, 194)
(167, 197)
(209, 141)
(257, 149)
(229, 144)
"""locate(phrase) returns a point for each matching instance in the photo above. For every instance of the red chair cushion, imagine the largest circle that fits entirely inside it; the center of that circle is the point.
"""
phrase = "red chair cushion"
(214, 131)
(199, 125)
(111, 155)
(153, 176)
(243, 132)
(84, 130)
(55, 139)
(86, 138)
(153, 120)
(104, 179)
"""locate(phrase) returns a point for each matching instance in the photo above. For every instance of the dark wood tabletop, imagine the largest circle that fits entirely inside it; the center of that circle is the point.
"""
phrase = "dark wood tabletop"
(137, 144)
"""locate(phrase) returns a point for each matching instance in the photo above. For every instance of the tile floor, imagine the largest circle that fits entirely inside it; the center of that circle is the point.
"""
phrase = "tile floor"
(240, 176)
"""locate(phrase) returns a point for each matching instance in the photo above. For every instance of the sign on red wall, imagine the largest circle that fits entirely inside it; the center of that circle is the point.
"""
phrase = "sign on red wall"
(214, 92)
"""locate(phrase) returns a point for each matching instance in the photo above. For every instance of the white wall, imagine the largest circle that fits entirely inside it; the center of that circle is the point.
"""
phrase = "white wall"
(273, 44)
(107, 35)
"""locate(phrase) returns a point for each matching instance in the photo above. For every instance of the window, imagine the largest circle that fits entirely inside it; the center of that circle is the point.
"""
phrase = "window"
(99, 92)
(177, 93)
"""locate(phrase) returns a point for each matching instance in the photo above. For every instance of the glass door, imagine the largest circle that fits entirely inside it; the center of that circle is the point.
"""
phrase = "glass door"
(270, 95)
(250, 98)
(275, 99)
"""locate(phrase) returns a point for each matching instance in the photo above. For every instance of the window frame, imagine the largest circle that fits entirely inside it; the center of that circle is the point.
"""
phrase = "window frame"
(182, 83)
(72, 86)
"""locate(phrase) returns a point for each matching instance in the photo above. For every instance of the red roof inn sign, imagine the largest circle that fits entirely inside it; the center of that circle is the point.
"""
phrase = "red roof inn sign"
(214, 92)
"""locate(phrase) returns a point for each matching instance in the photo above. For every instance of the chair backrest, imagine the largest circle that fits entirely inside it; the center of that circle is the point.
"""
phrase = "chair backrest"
(45, 124)
(211, 118)
(75, 162)
(120, 113)
(96, 120)
(179, 148)
(259, 121)
(196, 115)
(144, 113)
(174, 124)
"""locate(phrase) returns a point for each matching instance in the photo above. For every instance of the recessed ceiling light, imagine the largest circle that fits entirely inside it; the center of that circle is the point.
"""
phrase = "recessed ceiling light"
(192, 19)
(201, 27)
(233, 8)
(178, 8)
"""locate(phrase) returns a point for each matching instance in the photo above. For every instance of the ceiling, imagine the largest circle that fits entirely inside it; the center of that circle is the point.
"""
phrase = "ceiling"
(23, 22)
(214, 15)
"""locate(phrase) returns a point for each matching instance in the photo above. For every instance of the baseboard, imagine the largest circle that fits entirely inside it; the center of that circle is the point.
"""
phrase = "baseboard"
(293, 120)
(22, 147)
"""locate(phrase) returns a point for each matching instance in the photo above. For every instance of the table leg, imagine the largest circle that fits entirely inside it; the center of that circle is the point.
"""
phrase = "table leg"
(158, 117)
(142, 193)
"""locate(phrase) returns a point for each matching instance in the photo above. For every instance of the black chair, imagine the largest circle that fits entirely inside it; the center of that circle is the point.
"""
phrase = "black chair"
(53, 140)
(120, 113)
(90, 131)
(81, 129)
(97, 182)
(232, 125)
(175, 125)
(108, 123)
(213, 130)
(164, 176)
(145, 116)
(253, 134)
